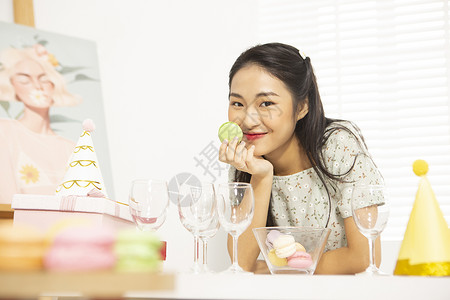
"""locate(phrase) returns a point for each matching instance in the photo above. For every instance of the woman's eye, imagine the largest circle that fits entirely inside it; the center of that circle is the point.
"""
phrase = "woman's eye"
(44, 79)
(22, 79)
(234, 103)
(267, 103)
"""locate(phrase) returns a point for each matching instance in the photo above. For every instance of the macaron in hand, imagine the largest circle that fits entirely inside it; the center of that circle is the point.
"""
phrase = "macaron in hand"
(229, 130)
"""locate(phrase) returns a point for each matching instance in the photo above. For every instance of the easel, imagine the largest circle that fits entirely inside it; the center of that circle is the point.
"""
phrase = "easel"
(24, 15)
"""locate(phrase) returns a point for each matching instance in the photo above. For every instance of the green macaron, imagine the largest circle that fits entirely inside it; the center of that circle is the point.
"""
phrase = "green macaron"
(137, 251)
(229, 130)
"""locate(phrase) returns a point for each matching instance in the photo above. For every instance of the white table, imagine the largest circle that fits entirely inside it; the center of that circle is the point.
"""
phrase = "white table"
(219, 286)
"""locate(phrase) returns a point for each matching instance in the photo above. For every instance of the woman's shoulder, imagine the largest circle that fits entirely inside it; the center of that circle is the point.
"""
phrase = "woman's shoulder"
(343, 126)
(69, 144)
(8, 122)
(7, 126)
(343, 139)
(342, 131)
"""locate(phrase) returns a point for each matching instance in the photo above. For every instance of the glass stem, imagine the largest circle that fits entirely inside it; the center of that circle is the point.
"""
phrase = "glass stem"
(205, 251)
(235, 252)
(372, 252)
(196, 252)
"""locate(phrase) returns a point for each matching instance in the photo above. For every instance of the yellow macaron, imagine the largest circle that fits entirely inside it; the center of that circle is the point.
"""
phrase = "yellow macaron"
(21, 248)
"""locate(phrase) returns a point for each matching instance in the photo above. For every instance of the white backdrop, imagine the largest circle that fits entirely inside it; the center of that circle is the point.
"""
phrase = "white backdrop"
(164, 68)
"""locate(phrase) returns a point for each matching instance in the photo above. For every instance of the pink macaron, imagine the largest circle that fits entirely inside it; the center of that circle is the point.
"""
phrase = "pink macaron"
(300, 260)
(81, 249)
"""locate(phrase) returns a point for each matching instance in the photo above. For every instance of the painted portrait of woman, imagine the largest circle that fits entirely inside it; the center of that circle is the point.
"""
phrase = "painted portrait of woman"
(33, 157)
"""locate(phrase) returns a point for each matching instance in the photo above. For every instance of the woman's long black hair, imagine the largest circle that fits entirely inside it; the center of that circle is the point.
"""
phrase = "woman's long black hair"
(312, 131)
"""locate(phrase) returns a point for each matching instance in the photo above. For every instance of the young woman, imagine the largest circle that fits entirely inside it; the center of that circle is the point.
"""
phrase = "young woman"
(300, 164)
(33, 158)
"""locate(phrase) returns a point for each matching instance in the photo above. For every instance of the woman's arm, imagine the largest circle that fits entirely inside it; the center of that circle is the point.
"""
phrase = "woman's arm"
(261, 170)
(351, 259)
(346, 148)
(248, 249)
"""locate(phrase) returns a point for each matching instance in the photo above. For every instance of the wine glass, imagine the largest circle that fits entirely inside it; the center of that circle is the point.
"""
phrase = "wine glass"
(149, 202)
(235, 207)
(196, 208)
(205, 235)
(370, 208)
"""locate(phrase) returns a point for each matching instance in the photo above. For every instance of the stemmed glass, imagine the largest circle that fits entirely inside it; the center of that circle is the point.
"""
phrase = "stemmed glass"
(235, 207)
(205, 235)
(370, 207)
(149, 201)
(196, 208)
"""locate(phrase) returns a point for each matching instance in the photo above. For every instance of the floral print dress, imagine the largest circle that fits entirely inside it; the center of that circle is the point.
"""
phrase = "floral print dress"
(301, 199)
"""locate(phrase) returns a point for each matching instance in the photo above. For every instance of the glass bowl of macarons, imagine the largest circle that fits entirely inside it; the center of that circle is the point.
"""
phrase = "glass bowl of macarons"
(291, 250)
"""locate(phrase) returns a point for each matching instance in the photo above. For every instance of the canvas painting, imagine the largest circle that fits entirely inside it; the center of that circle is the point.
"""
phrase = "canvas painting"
(49, 84)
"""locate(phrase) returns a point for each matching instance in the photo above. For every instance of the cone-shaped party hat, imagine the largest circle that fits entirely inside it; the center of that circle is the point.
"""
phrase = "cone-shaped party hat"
(425, 249)
(83, 173)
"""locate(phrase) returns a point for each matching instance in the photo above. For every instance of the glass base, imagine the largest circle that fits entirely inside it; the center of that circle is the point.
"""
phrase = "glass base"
(195, 269)
(372, 271)
(206, 270)
(236, 270)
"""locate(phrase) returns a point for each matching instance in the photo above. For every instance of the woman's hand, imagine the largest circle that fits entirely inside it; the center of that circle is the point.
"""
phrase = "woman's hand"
(244, 159)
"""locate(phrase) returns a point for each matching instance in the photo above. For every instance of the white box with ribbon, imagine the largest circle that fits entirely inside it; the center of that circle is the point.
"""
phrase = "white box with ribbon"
(42, 211)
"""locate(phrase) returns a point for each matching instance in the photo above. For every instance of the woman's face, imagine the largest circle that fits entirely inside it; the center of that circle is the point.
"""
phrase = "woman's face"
(263, 107)
(32, 85)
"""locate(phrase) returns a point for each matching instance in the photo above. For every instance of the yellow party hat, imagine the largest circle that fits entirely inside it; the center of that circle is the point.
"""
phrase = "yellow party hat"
(425, 250)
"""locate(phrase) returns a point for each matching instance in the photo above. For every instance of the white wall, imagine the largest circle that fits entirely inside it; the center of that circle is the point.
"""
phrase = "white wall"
(6, 11)
(164, 67)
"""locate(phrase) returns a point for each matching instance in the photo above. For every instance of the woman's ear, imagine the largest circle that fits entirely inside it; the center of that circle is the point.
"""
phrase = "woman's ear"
(303, 110)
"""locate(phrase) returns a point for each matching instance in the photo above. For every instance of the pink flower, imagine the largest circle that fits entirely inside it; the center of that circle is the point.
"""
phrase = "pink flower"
(40, 50)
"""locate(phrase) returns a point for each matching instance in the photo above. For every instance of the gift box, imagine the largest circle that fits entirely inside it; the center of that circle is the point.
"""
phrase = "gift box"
(42, 211)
